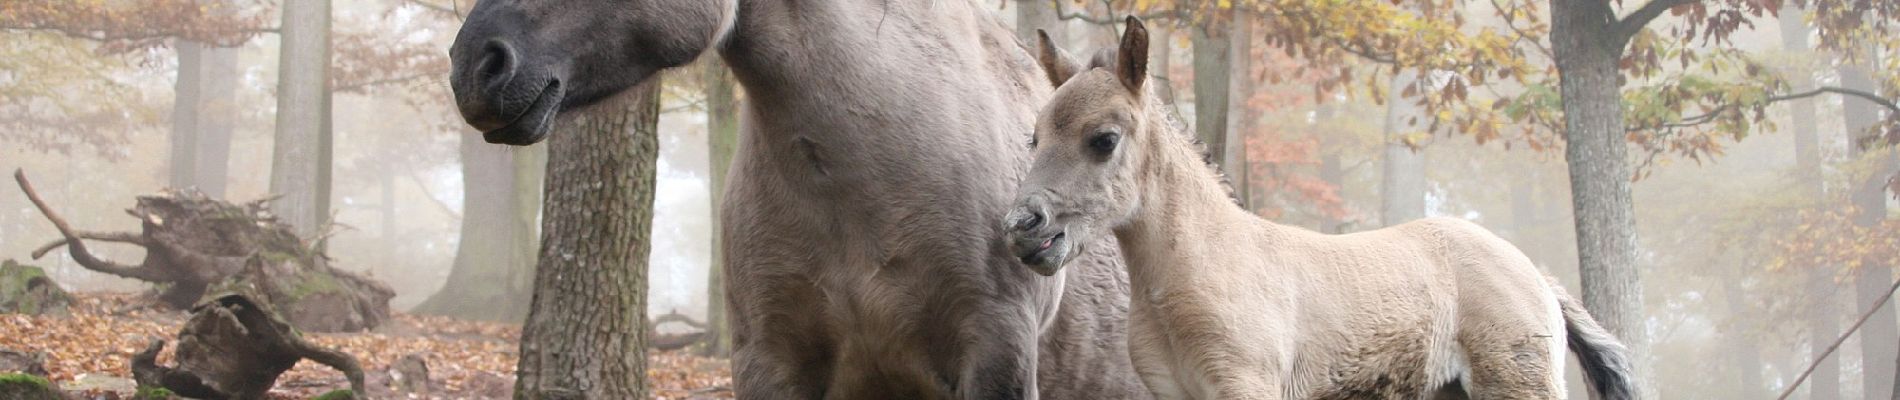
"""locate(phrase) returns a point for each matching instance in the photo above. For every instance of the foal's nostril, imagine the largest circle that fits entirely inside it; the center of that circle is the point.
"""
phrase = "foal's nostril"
(1029, 220)
(498, 63)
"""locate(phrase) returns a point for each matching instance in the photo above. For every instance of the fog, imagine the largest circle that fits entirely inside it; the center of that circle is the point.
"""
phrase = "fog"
(1733, 286)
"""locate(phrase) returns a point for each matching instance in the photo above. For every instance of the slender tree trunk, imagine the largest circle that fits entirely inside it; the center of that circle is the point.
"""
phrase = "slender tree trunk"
(217, 118)
(1161, 60)
(1870, 200)
(585, 336)
(1211, 73)
(1040, 14)
(494, 260)
(202, 117)
(1587, 51)
(300, 156)
(184, 139)
(1240, 117)
(1744, 360)
(722, 134)
(1823, 318)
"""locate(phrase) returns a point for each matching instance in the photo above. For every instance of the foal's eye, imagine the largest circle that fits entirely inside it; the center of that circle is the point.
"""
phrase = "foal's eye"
(1104, 142)
(1032, 142)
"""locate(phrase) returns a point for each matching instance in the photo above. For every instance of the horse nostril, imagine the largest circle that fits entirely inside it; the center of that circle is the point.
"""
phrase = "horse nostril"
(498, 63)
(1031, 220)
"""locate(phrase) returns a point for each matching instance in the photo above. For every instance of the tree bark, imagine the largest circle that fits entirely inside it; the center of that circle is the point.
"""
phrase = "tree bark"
(1869, 195)
(586, 330)
(492, 276)
(722, 134)
(299, 159)
(1240, 117)
(185, 95)
(1823, 317)
(1211, 74)
(1585, 39)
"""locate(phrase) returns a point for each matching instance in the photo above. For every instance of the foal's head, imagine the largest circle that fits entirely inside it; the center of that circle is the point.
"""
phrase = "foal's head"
(1084, 177)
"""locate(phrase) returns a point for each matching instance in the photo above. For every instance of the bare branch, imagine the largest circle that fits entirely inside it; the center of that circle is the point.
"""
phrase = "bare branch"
(1110, 20)
(133, 37)
(439, 204)
(120, 237)
(1877, 306)
(77, 247)
(452, 11)
(1719, 111)
(1626, 27)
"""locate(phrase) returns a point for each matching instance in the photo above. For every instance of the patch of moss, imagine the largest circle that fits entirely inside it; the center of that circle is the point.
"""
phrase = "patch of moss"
(154, 393)
(26, 289)
(24, 379)
(313, 282)
(339, 394)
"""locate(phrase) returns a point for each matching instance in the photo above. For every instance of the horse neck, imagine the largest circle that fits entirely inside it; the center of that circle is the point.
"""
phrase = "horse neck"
(793, 47)
(1182, 199)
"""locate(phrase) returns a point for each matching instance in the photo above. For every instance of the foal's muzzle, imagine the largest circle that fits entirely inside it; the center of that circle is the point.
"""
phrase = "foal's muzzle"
(1035, 240)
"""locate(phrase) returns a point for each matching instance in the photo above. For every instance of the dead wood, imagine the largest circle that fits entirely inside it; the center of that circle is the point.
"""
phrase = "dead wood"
(234, 347)
(195, 244)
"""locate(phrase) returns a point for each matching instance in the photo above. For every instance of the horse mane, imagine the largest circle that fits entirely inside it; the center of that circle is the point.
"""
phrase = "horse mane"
(1105, 58)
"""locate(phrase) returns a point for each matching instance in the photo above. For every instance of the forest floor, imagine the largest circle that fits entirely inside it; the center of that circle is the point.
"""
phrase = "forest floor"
(88, 353)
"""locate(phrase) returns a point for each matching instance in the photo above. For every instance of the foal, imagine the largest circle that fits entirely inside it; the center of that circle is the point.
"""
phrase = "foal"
(1230, 306)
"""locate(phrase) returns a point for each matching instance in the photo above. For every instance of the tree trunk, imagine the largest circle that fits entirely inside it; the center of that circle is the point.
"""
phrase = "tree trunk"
(1870, 200)
(1587, 51)
(1161, 60)
(1240, 117)
(586, 331)
(494, 262)
(1744, 359)
(203, 116)
(1823, 316)
(722, 134)
(184, 139)
(299, 160)
(1039, 14)
(1211, 66)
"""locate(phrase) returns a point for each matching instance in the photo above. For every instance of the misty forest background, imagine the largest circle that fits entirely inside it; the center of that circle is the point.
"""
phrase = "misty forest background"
(1739, 210)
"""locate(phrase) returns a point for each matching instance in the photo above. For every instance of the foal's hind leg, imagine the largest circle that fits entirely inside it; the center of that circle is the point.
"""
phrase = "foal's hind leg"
(1515, 365)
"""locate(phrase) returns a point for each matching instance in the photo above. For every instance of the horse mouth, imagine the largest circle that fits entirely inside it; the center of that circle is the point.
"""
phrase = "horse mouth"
(1047, 255)
(532, 124)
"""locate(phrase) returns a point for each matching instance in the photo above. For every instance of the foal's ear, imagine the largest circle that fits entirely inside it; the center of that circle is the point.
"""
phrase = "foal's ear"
(1131, 60)
(1056, 63)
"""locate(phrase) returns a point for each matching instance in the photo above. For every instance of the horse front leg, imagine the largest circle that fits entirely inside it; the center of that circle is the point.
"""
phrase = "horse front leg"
(1001, 365)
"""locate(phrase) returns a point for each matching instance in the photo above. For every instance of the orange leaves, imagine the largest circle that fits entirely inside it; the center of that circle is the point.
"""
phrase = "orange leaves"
(1832, 238)
(129, 26)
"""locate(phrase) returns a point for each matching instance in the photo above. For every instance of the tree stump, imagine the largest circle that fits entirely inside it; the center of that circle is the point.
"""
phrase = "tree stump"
(235, 348)
(409, 375)
(25, 289)
(195, 244)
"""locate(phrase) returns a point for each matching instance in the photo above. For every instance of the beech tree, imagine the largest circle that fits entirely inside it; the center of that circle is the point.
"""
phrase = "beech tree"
(585, 337)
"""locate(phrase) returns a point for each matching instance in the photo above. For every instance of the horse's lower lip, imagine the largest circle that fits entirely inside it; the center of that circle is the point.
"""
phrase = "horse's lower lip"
(532, 124)
(1041, 253)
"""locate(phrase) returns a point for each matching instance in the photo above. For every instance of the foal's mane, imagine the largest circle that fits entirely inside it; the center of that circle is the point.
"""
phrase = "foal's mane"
(1105, 58)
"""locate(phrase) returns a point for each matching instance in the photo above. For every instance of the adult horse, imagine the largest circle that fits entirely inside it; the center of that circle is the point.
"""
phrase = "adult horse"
(880, 137)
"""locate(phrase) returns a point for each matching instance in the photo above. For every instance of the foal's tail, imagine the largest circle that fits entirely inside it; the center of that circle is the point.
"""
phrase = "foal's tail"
(1606, 363)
